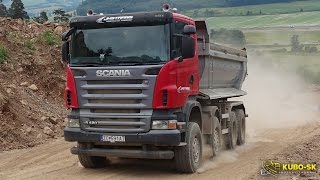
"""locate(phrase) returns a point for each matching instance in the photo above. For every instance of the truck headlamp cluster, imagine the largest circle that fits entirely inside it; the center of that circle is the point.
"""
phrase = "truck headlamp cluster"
(73, 123)
(170, 124)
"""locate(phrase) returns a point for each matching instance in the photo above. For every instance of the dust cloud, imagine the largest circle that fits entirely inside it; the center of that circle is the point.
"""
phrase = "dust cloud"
(227, 156)
(277, 97)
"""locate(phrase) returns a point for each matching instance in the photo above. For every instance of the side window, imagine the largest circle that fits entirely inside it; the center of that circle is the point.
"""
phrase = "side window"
(177, 38)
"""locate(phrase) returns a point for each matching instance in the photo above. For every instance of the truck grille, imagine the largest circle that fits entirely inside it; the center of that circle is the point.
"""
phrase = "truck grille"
(118, 124)
(116, 106)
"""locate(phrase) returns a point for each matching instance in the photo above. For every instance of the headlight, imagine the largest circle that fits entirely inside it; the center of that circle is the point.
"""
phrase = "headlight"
(73, 123)
(171, 124)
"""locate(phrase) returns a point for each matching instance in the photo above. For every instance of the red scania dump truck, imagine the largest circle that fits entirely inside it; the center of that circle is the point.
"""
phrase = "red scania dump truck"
(150, 85)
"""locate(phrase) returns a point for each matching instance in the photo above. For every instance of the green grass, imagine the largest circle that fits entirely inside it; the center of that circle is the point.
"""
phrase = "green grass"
(49, 38)
(3, 54)
(29, 44)
(275, 8)
(296, 19)
(281, 37)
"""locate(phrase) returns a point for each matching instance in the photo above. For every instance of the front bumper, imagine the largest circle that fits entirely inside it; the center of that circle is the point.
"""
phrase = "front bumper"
(153, 137)
(167, 154)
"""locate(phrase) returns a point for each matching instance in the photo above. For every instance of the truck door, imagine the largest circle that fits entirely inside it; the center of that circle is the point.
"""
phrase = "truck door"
(187, 69)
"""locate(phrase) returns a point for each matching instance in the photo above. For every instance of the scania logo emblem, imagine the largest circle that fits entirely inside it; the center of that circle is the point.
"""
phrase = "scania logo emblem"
(113, 73)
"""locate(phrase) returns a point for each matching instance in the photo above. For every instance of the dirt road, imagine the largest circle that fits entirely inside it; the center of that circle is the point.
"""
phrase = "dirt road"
(54, 161)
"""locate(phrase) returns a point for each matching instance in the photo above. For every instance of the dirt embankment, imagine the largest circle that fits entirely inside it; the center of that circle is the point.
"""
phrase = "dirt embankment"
(31, 84)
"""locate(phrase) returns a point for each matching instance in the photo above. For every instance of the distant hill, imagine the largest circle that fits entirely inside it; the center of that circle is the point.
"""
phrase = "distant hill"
(34, 7)
(115, 6)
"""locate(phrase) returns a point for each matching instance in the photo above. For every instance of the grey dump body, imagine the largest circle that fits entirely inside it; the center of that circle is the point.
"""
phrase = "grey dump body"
(222, 69)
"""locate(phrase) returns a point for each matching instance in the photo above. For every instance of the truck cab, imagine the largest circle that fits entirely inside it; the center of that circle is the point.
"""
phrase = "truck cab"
(134, 89)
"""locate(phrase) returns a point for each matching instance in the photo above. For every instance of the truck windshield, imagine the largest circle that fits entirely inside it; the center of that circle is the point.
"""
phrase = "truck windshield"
(121, 45)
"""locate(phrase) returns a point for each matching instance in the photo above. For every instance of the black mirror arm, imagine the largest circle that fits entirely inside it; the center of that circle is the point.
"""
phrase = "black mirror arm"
(66, 35)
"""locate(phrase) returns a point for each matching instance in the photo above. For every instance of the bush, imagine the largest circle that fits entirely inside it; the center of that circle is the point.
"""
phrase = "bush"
(49, 38)
(311, 49)
(3, 54)
(29, 44)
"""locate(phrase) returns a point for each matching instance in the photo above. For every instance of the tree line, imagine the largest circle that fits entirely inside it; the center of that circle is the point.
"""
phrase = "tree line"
(17, 11)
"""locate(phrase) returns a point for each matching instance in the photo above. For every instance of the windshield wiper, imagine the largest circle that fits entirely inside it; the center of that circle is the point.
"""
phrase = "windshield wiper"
(89, 63)
(134, 63)
(135, 60)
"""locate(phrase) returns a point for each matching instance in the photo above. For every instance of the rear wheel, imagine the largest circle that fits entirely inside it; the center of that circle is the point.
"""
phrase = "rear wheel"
(241, 126)
(189, 158)
(215, 137)
(91, 161)
(233, 133)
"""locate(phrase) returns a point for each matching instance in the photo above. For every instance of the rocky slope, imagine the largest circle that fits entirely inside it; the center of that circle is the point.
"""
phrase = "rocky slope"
(31, 84)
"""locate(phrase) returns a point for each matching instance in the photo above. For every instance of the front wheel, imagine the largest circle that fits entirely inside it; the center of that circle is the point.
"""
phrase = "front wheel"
(91, 161)
(189, 158)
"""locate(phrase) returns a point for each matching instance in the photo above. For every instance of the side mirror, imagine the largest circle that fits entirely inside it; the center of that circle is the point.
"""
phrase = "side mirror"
(65, 52)
(187, 47)
(189, 29)
(65, 36)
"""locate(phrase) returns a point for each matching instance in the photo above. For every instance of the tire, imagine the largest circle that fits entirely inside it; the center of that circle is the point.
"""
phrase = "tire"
(215, 137)
(92, 162)
(189, 158)
(233, 133)
(241, 126)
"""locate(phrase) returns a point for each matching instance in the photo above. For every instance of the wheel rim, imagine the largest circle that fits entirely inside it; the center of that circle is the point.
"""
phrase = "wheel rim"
(216, 142)
(196, 150)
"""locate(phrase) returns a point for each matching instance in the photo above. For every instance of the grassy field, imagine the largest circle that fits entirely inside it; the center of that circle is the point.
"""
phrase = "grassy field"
(296, 19)
(281, 37)
(276, 8)
(306, 66)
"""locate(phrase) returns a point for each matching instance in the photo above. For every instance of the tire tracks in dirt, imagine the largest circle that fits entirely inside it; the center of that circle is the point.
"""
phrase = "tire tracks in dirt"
(54, 160)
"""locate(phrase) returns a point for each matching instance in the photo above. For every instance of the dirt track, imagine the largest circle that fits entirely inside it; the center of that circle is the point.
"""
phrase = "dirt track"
(54, 161)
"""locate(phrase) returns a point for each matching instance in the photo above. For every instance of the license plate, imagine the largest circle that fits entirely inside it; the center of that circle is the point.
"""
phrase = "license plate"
(113, 139)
